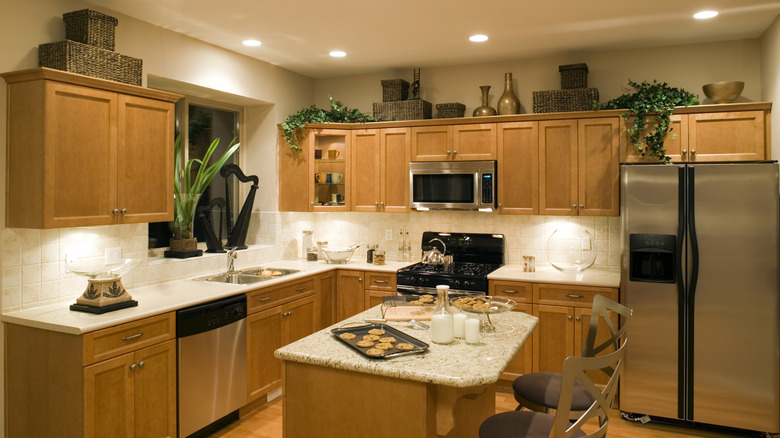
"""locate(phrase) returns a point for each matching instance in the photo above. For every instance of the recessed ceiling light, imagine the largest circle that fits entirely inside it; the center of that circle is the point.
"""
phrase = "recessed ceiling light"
(478, 38)
(252, 43)
(338, 54)
(703, 15)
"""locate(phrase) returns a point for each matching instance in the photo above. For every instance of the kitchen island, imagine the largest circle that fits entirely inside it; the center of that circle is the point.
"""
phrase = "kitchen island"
(331, 390)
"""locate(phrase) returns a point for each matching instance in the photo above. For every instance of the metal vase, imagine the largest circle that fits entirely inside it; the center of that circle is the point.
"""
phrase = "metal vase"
(485, 109)
(508, 103)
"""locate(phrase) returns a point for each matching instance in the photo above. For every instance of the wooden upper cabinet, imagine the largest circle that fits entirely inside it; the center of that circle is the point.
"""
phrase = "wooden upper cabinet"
(676, 141)
(474, 142)
(599, 167)
(84, 151)
(329, 177)
(294, 174)
(395, 169)
(366, 158)
(518, 168)
(380, 170)
(558, 167)
(432, 143)
(728, 136)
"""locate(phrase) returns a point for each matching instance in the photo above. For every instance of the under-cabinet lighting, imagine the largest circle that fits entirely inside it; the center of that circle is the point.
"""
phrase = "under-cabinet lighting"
(478, 38)
(252, 43)
(422, 208)
(485, 209)
(338, 54)
(703, 15)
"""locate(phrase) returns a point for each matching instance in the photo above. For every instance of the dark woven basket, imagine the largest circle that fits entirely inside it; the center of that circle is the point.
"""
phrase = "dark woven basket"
(574, 76)
(87, 60)
(90, 27)
(394, 90)
(556, 101)
(450, 110)
(414, 109)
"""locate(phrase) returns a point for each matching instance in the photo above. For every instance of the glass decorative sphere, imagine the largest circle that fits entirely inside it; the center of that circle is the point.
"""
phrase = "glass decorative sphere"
(571, 248)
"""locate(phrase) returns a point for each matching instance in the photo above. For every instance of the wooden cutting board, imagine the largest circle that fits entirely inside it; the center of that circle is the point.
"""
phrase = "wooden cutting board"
(405, 313)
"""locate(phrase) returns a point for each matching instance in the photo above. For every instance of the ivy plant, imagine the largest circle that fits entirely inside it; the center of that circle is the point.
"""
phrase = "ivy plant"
(656, 99)
(294, 124)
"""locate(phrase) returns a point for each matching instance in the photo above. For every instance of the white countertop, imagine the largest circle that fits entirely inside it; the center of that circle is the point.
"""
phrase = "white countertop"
(178, 294)
(457, 364)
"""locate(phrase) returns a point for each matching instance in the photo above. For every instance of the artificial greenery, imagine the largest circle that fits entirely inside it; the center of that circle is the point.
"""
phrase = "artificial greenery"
(657, 99)
(294, 124)
(186, 190)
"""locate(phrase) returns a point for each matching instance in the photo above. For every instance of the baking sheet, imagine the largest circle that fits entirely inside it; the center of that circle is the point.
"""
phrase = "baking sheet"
(401, 337)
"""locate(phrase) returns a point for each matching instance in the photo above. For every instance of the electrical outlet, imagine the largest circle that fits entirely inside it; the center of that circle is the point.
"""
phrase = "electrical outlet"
(70, 257)
(389, 234)
(113, 256)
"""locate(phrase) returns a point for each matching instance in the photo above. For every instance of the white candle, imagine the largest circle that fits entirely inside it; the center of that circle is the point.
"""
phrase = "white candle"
(472, 330)
(460, 325)
(442, 328)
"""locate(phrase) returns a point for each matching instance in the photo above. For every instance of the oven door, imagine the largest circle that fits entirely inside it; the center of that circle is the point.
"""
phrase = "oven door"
(467, 185)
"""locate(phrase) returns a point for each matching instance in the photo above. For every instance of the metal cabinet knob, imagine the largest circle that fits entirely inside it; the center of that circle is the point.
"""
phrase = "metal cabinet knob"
(376, 204)
(574, 206)
(684, 151)
(449, 152)
(311, 203)
(500, 205)
(124, 211)
(569, 317)
(115, 211)
(693, 151)
(381, 204)
(579, 318)
(454, 152)
(582, 205)
(141, 364)
(360, 279)
(133, 367)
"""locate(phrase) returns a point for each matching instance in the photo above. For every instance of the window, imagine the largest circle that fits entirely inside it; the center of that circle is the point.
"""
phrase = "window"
(206, 121)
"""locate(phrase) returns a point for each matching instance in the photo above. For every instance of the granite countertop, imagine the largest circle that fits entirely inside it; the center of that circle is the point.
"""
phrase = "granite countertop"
(590, 277)
(457, 364)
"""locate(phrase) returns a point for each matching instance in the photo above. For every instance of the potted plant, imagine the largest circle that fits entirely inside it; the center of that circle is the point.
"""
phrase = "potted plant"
(294, 124)
(656, 99)
(187, 192)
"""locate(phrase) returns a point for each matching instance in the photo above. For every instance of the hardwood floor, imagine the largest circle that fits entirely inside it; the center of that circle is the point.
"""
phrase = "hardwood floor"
(266, 422)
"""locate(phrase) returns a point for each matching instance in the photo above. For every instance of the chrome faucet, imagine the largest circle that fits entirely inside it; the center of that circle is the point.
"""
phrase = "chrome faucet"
(231, 260)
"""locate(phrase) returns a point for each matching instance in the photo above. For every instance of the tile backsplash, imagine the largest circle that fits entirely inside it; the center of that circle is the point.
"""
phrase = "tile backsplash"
(33, 261)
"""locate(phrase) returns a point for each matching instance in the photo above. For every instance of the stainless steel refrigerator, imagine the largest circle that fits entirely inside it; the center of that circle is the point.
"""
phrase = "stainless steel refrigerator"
(700, 271)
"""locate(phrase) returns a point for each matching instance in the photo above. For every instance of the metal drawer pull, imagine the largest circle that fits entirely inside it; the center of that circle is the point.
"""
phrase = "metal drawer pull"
(286, 313)
(569, 317)
(141, 364)
(510, 291)
(263, 299)
(132, 367)
(382, 281)
(298, 289)
(574, 296)
(129, 338)
(579, 318)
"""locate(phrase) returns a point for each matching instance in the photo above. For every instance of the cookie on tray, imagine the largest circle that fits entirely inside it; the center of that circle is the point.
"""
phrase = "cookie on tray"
(377, 332)
(384, 346)
(347, 336)
(364, 344)
(387, 339)
(370, 338)
(375, 352)
(404, 346)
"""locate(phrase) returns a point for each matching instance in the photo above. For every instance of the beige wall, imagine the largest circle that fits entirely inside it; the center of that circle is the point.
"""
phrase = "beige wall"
(770, 78)
(686, 66)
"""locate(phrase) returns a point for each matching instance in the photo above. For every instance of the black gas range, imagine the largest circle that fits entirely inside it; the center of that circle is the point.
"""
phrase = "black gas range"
(474, 256)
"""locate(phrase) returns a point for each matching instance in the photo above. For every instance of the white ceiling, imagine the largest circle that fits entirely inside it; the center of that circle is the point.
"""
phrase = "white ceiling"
(401, 34)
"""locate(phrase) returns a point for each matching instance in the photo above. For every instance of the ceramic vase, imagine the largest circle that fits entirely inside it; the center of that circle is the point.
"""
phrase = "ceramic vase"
(508, 103)
(485, 109)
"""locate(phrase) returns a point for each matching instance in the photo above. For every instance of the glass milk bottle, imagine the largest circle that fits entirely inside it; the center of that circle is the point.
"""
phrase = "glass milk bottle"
(442, 325)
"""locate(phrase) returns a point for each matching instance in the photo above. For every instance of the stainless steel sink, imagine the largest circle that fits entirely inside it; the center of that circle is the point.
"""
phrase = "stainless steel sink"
(248, 276)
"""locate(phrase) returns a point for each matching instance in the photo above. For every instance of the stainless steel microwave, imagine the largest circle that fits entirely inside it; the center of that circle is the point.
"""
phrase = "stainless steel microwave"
(455, 185)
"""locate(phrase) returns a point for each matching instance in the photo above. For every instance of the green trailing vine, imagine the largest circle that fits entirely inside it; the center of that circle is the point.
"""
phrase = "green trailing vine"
(294, 124)
(658, 99)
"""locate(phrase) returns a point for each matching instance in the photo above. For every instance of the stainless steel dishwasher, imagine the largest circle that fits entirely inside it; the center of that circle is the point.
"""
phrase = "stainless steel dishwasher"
(212, 364)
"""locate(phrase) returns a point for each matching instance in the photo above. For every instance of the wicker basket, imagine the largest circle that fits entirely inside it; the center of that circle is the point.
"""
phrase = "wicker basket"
(414, 109)
(394, 90)
(556, 101)
(87, 60)
(90, 27)
(574, 76)
(450, 110)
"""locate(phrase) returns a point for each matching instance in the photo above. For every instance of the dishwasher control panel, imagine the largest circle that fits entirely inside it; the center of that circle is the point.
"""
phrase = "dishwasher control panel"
(209, 316)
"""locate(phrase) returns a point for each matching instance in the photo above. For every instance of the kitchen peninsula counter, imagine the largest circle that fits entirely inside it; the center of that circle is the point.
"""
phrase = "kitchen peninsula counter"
(447, 391)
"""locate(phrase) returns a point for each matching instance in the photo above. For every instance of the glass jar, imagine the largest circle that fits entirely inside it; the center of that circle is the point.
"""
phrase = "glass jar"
(312, 254)
(370, 252)
(379, 257)
(442, 322)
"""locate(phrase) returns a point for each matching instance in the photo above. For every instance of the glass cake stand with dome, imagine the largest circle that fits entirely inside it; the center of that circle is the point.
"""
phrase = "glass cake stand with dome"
(484, 306)
(105, 291)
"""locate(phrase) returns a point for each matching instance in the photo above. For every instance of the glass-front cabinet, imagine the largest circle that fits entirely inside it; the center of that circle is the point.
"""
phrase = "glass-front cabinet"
(329, 187)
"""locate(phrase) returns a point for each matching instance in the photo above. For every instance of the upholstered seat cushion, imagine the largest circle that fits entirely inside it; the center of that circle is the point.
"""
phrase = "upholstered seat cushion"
(524, 424)
(545, 388)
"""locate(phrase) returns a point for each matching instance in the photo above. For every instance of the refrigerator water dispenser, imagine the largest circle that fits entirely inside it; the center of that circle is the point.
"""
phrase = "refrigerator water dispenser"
(652, 258)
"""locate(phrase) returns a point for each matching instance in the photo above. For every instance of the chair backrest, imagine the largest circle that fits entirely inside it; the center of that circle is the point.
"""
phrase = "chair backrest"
(602, 306)
(576, 368)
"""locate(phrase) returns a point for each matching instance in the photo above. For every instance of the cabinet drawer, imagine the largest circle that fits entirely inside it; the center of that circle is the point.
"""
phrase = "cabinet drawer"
(114, 341)
(384, 281)
(566, 295)
(273, 296)
(518, 291)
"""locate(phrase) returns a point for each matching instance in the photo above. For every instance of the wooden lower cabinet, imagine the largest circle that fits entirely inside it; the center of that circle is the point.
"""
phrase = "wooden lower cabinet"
(269, 330)
(522, 294)
(325, 286)
(349, 294)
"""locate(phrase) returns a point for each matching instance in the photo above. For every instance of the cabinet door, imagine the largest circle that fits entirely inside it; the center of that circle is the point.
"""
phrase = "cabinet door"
(374, 297)
(523, 361)
(326, 292)
(155, 391)
(582, 319)
(599, 167)
(330, 185)
(675, 143)
(298, 319)
(109, 398)
(558, 167)
(349, 293)
(145, 160)
(263, 337)
(474, 142)
(518, 168)
(432, 143)
(80, 162)
(395, 170)
(366, 158)
(728, 136)
(295, 171)
(553, 338)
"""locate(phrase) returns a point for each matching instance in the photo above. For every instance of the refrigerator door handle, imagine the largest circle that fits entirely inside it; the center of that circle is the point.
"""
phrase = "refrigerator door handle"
(682, 338)
(692, 280)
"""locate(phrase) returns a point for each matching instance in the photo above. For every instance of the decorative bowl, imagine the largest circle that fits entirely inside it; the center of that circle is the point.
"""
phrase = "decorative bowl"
(339, 254)
(723, 92)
